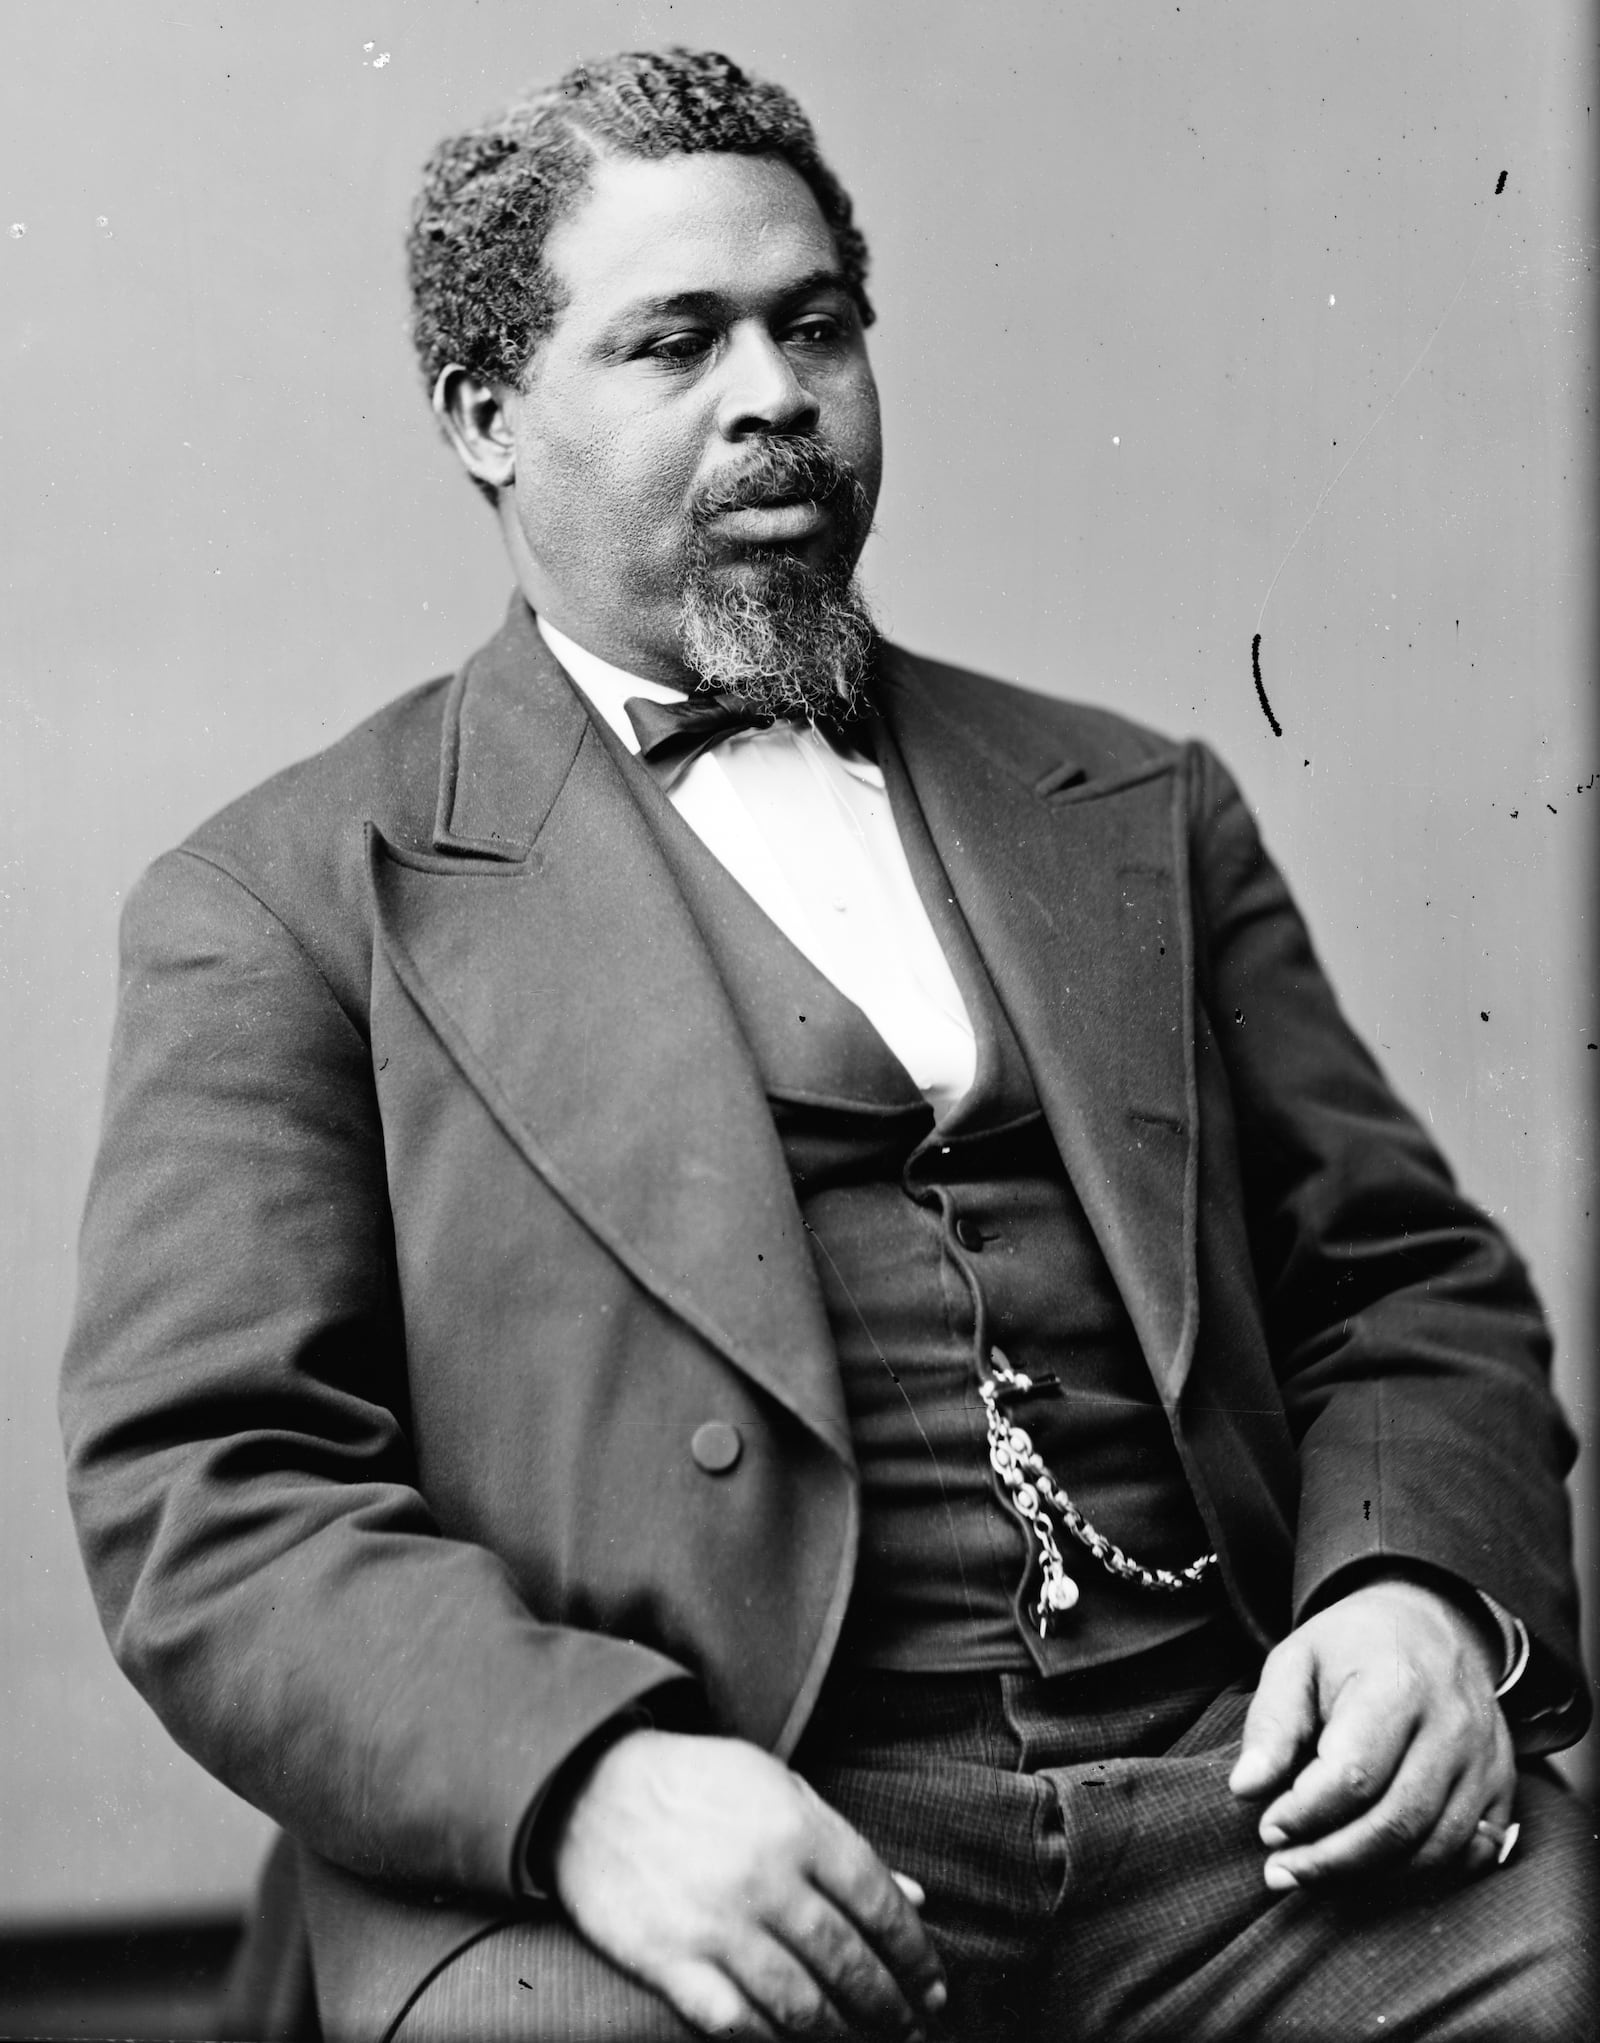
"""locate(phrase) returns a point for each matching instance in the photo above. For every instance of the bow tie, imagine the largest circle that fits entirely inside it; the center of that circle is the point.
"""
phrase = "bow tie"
(672, 735)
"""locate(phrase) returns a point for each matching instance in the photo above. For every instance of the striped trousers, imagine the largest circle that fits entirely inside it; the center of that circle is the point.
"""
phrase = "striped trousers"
(1089, 1877)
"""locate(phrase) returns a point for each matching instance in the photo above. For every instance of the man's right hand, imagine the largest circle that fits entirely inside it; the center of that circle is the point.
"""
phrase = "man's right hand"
(707, 1869)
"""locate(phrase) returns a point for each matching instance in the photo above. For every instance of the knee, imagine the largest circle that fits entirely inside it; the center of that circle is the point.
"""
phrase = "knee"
(1551, 1994)
(536, 1982)
(1547, 1988)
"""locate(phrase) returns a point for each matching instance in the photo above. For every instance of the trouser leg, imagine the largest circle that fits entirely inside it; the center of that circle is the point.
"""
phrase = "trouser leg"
(1082, 1895)
(1166, 1930)
(946, 1776)
(1120, 1899)
(942, 1797)
(536, 1982)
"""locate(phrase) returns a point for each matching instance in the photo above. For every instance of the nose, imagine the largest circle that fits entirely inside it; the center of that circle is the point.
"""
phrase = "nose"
(761, 392)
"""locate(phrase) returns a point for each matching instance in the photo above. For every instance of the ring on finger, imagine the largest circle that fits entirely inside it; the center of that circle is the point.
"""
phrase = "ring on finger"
(1503, 1836)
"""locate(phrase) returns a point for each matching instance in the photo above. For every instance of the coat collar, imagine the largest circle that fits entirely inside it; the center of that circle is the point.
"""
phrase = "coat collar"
(512, 727)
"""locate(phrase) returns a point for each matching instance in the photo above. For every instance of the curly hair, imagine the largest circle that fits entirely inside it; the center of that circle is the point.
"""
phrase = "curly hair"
(481, 294)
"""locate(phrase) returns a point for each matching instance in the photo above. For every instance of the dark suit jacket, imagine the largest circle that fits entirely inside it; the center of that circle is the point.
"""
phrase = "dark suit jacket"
(439, 1205)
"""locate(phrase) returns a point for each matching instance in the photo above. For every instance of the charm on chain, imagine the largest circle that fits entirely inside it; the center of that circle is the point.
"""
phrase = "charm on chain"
(1032, 1488)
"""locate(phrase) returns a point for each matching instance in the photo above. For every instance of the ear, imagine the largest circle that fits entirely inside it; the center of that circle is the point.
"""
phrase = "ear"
(475, 422)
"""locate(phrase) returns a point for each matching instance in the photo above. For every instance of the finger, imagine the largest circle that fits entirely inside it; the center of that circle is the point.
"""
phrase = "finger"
(847, 1870)
(1383, 1837)
(708, 2000)
(1495, 1828)
(1454, 1835)
(850, 1973)
(1280, 1724)
(786, 1990)
(1477, 1817)
(1370, 1730)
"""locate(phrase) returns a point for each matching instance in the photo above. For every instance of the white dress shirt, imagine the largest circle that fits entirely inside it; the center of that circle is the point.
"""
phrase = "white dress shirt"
(808, 833)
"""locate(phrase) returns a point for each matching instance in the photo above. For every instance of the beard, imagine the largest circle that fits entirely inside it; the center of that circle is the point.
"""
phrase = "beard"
(786, 637)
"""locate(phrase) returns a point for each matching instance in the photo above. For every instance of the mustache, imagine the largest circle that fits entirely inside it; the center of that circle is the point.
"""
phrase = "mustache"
(781, 470)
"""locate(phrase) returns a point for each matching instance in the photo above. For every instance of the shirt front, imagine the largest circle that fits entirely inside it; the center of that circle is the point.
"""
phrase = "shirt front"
(807, 832)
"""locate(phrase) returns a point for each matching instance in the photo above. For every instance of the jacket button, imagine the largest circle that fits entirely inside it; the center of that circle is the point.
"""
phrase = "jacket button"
(969, 1233)
(716, 1446)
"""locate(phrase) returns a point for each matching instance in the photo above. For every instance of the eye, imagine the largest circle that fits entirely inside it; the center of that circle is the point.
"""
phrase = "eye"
(816, 330)
(686, 346)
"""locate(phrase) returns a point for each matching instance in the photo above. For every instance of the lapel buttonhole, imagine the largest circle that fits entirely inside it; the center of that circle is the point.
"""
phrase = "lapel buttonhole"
(1058, 779)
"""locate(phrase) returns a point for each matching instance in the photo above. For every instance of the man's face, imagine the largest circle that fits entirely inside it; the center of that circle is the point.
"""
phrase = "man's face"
(705, 321)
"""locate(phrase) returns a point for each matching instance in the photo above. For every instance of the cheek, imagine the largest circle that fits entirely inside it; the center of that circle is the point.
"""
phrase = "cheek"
(648, 473)
(645, 480)
(612, 499)
(860, 436)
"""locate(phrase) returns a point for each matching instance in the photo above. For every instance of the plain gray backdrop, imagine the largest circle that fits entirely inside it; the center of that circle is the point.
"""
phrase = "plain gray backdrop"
(1196, 321)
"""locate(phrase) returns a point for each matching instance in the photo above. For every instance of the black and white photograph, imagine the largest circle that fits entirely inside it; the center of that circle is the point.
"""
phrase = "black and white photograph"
(802, 1044)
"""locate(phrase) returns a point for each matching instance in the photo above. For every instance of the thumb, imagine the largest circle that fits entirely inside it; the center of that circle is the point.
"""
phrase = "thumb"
(1282, 1721)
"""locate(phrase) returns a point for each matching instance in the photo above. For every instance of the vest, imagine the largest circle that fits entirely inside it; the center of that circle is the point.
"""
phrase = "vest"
(932, 1244)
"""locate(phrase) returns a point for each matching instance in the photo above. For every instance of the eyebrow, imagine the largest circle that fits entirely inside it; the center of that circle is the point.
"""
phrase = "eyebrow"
(707, 304)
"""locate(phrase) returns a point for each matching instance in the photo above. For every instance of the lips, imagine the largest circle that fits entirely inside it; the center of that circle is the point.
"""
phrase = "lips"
(774, 521)
(788, 492)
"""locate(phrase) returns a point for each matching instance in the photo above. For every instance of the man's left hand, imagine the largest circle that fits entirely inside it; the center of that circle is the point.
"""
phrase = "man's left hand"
(1391, 1693)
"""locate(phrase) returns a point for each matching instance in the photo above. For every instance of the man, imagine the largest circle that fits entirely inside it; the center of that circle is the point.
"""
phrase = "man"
(752, 1343)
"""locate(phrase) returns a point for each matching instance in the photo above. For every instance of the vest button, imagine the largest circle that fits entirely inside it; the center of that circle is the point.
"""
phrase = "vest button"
(716, 1446)
(969, 1233)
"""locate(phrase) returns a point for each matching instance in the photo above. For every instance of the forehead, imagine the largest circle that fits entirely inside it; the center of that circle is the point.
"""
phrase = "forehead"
(736, 226)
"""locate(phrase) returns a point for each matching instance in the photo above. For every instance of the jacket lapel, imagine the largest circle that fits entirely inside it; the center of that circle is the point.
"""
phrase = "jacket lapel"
(1076, 893)
(548, 946)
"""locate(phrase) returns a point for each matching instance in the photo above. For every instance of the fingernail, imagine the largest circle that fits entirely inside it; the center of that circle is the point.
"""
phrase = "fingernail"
(936, 1996)
(1280, 1878)
(1272, 1835)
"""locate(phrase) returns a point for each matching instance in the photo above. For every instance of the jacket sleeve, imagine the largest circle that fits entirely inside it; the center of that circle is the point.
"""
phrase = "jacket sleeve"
(234, 1408)
(1411, 1351)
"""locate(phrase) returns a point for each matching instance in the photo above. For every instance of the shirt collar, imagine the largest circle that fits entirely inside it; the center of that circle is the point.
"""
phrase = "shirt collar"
(608, 688)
